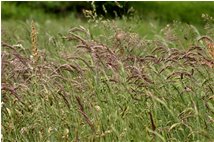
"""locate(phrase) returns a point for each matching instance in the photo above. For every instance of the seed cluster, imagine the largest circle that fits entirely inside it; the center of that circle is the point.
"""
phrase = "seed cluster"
(34, 42)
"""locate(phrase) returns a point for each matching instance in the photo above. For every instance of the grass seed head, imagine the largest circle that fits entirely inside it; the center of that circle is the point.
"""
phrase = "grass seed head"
(34, 42)
(211, 49)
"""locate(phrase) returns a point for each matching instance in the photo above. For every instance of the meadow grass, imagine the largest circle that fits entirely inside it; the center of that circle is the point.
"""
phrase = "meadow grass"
(106, 80)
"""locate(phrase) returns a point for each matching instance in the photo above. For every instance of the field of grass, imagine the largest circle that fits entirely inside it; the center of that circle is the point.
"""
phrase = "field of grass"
(120, 80)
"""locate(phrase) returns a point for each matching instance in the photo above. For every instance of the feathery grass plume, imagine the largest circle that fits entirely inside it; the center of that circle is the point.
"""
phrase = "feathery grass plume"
(209, 43)
(34, 42)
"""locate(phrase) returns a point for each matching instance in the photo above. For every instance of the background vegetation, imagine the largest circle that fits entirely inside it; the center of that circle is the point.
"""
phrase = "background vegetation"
(189, 12)
(66, 78)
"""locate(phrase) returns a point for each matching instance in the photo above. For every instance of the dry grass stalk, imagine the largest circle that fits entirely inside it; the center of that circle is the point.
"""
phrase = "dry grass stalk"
(81, 110)
(164, 68)
(64, 95)
(35, 53)
(181, 74)
(152, 121)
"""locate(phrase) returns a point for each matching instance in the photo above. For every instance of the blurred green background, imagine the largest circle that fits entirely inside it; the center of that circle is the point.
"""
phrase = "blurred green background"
(189, 12)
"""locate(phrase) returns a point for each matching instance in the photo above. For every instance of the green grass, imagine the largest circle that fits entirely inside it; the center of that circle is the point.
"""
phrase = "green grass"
(165, 12)
(168, 11)
(130, 93)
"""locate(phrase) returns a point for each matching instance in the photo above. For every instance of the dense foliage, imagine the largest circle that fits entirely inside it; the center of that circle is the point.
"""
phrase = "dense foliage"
(189, 12)
(104, 82)
(123, 79)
